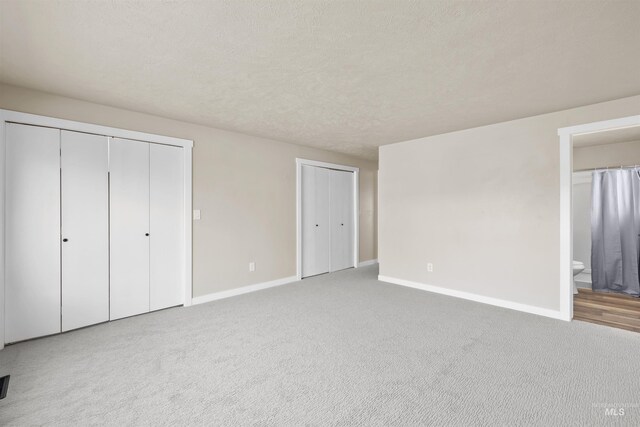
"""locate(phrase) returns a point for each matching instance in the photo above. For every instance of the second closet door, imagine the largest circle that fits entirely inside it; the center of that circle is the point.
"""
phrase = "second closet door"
(316, 220)
(129, 209)
(341, 220)
(85, 229)
(166, 215)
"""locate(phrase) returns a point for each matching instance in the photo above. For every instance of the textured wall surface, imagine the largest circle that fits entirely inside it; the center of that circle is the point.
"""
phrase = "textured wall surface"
(482, 205)
(581, 213)
(245, 187)
(341, 75)
(609, 155)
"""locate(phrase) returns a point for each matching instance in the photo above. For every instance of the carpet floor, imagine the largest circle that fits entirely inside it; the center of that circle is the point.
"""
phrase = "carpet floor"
(337, 349)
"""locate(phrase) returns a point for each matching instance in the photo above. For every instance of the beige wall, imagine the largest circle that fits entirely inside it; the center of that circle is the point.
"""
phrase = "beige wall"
(607, 155)
(482, 205)
(244, 186)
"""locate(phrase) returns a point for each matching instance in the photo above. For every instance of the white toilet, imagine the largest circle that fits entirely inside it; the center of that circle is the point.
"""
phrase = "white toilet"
(578, 268)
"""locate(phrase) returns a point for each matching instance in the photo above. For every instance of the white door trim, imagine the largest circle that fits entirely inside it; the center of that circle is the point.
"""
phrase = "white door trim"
(566, 135)
(356, 208)
(36, 120)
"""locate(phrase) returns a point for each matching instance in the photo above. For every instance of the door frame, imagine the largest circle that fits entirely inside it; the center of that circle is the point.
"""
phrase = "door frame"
(9, 116)
(356, 208)
(566, 135)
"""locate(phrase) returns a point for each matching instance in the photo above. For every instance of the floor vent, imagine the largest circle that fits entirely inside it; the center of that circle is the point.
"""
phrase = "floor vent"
(4, 386)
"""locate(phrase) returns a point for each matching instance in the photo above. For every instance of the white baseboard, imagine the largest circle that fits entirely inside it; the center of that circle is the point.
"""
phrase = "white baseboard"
(478, 298)
(367, 262)
(243, 290)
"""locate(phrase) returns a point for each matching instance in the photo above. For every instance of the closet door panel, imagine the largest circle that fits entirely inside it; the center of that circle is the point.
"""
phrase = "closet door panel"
(32, 227)
(323, 219)
(85, 229)
(341, 220)
(129, 214)
(308, 226)
(316, 220)
(166, 226)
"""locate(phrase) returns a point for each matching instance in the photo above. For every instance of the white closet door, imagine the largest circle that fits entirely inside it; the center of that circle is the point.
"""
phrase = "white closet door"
(85, 229)
(341, 220)
(308, 216)
(167, 226)
(32, 227)
(315, 214)
(129, 243)
(323, 219)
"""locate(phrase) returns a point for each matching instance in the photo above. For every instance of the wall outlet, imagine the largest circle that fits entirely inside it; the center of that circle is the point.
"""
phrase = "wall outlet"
(430, 267)
(196, 214)
(252, 266)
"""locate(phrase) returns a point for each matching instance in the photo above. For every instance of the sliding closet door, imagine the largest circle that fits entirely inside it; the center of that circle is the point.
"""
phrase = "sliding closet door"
(129, 209)
(167, 226)
(32, 227)
(341, 220)
(316, 220)
(85, 229)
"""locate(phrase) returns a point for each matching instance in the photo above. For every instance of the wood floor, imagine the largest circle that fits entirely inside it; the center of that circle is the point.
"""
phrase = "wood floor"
(615, 310)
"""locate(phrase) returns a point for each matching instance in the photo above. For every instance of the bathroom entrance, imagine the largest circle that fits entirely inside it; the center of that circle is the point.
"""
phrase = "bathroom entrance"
(604, 222)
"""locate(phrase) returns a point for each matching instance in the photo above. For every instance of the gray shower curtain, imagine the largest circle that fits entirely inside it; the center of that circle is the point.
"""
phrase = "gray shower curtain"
(615, 231)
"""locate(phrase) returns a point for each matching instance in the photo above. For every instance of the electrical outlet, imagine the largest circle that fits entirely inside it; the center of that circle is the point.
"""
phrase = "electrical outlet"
(252, 266)
(196, 214)
(430, 267)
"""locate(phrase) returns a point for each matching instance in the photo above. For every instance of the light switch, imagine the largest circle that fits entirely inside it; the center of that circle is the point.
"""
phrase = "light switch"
(196, 214)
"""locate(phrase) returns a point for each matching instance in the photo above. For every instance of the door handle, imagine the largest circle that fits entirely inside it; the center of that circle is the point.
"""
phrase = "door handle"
(341, 224)
(146, 234)
(65, 240)
(316, 225)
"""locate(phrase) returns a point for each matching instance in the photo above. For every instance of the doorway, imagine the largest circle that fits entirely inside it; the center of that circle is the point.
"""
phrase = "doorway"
(327, 217)
(567, 138)
(606, 226)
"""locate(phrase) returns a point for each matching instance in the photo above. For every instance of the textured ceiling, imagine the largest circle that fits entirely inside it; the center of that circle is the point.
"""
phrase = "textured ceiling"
(342, 75)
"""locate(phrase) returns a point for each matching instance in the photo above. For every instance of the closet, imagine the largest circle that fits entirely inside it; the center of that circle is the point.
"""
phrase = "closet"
(84, 163)
(32, 232)
(146, 227)
(327, 220)
(94, 229)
